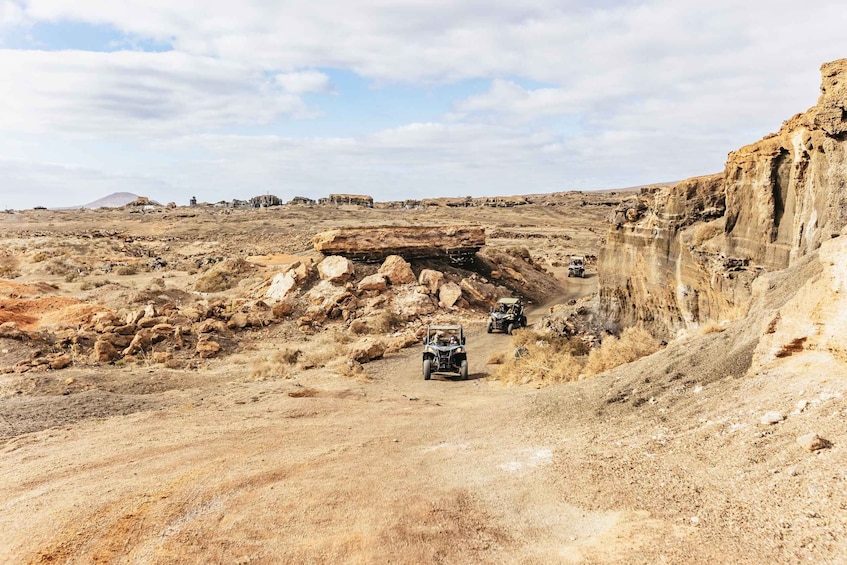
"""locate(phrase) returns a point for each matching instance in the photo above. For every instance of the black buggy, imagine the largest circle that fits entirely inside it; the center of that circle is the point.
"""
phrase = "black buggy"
(506, 316)
(444, 351)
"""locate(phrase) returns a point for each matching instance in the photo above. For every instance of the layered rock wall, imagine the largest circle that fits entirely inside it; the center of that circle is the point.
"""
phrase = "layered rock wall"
(680, 256)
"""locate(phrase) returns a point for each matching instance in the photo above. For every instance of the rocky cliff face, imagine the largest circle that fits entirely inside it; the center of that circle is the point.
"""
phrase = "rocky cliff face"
(679, 256)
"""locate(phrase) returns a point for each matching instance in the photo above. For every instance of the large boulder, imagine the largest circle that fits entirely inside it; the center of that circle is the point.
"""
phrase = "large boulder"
(104, 351)
(377, 281)
(479, 293)
(431, 280)
(207, 348)
(284, 284)
(397, 270)
(367, 350)
(413, 304)
(449, 294)
(335, 269)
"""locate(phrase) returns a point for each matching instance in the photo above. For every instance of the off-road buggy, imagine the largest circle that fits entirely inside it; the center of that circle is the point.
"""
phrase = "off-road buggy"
(576, 267)
(507, 315)
(444, 351)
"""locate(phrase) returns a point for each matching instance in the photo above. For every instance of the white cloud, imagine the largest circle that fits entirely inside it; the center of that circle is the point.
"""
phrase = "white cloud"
(649, 90)
(304, 82)
(11, 14)
(127, 92)
(510, 98)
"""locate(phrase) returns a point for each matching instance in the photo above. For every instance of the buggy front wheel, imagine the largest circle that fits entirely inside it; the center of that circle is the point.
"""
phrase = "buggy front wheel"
(427, 369)
(463, 370)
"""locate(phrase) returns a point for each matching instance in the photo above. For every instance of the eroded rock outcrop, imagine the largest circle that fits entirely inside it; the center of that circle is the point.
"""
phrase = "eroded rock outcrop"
(679, 256)
(374, 244)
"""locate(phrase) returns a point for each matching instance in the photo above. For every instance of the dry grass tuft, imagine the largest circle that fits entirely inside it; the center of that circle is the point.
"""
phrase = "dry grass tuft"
(324, 349)
(224, 276)
(497, 358)
(633, 344)
(543, 360)
(127, 270)
(386, 322)
(9, 267)
(711, 327)
(277, 365)
(303, 392)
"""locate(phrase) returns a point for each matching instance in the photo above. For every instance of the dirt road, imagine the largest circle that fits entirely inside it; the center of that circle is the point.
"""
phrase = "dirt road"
(321, 469)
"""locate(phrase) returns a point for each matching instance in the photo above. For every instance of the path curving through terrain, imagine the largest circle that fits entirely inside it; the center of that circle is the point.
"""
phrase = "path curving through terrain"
(324, 469)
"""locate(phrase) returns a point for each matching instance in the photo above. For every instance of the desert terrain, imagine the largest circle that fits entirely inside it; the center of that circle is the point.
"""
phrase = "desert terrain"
(280, 448)
(202, 385)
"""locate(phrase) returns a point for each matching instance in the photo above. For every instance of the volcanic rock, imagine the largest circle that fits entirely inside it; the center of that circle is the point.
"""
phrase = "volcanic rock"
(284, 284)
(374, 244)
(367, 350)
(207, 348)
(449, 294)
(397, 270)
(431, 279)
(480, 293)
(377, 281)
(335, 269)
(412, 304)
(812, 442)
(104, 352)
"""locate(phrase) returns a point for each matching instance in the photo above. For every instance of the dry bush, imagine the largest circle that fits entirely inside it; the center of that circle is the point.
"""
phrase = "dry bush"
(386, 322)
(303, 392)
(526, 338)
(711, 327)
(520, 252)
(497, 358)
(174, 364)
(9, 267)
(539, 364)
(126, 270)
(61, 267)
(323, 350)
(41, 256)
(634, 343)
(349, 368)
(544, 359)
(224, 276)
(277, 365)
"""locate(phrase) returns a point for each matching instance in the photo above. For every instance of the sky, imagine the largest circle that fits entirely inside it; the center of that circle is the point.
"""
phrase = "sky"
(393, 98)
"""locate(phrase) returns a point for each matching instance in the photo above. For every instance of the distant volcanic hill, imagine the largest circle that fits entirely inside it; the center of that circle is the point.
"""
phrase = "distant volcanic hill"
(115, 200)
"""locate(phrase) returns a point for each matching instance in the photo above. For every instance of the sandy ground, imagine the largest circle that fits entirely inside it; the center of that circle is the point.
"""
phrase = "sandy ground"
(661, 461)
(321, 469)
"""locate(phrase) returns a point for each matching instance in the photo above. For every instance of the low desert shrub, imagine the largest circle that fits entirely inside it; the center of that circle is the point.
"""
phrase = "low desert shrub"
(224, 276)
(9, 267)
(497, 358)
(386, 322)
(127, 270)
(711, 327)
(61, 267)
(539, 364)
(277, 365)
(520, 252)
(633, 344)
(326, 348)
